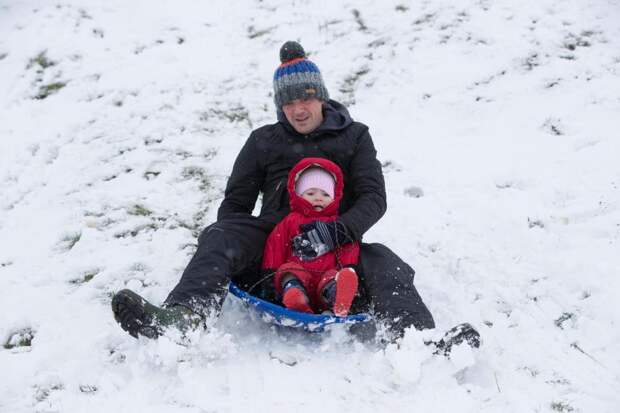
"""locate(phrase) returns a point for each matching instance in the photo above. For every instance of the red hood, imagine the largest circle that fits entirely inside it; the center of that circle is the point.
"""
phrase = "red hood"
(301, 205)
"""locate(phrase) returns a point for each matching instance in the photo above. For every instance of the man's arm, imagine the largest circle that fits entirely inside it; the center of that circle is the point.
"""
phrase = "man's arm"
(244, 183)
(366, 179)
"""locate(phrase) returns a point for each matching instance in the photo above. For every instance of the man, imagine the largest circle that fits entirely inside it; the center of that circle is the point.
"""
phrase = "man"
(309, 125)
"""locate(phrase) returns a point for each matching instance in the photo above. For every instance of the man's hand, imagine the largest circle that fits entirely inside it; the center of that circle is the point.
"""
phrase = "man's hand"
(318, 238)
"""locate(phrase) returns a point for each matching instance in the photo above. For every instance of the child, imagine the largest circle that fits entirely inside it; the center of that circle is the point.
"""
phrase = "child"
(324, 282)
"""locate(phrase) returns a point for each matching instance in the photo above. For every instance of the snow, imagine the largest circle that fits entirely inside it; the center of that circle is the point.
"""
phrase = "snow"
(497, 124)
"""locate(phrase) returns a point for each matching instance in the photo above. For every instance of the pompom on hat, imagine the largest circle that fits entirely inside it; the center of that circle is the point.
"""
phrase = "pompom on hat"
(297, 77)
(315, 177)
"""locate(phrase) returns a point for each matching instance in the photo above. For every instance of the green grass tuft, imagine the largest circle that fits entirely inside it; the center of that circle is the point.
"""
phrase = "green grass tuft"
(50, 89)
(40, 60)
(89, 275)
(21, 338)
(562, 407)
(69, 240)
(140, 210)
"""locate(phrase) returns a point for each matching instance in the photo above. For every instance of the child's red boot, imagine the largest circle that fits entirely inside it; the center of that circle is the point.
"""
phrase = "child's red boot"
(339, 293)
(295, 298)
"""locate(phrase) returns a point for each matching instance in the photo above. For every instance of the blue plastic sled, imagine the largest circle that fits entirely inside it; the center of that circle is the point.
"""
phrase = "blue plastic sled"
(278, 315)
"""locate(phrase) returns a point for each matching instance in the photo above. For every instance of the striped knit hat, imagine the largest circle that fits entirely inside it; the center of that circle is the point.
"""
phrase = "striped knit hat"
(297, 77)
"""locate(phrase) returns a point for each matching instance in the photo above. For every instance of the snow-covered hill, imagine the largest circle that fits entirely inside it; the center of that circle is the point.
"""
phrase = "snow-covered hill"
(498, 127)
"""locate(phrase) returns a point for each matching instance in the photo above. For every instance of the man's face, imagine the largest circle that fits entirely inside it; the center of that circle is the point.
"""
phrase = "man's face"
(305, 115)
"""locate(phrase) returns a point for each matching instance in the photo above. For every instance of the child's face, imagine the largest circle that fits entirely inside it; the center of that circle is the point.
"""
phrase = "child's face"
(317, 197)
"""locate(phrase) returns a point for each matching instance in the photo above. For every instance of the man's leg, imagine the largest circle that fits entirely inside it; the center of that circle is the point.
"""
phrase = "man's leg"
(388, 282)
(225, 249)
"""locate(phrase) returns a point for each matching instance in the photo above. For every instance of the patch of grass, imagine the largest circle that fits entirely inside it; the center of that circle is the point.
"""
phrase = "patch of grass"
(21, 338)
(85, 15)
(49, 89)
(152, 141)
(89, 275)
(88, 388)
(377, 43)
(148, 175)
(427, 18)
(327, 24)
(559, 382)
(358, 19)
(533, 223)
(504, 185)
(140, 210)
(40, 60)
(134, 232)
(350, 84)
(210, 154)
(562, 407)
(253, 33)
(556, 131)
(93, 214)
(559, 322)
(414, 192)
(42, 393)
(198, 173)
(573, 41)
(552, 83)
(235, 114)
(68, 241)
(531, 61)
(553, 127)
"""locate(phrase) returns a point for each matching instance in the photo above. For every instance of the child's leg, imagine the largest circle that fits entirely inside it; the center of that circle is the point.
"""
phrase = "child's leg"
(289, 282)
(294, 295)
(336, 291)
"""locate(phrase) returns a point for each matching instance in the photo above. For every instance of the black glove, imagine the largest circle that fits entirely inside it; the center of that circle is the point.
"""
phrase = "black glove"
(318, 238)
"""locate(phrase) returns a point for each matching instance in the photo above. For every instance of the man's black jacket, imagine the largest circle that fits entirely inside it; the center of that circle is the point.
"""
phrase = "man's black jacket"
(271, 151)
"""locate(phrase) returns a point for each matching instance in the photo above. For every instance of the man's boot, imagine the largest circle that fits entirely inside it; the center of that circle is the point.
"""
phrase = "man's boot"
(140, 318)
(457, 335)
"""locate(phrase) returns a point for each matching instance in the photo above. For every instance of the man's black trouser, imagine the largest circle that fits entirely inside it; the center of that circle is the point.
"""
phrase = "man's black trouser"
(232, 248)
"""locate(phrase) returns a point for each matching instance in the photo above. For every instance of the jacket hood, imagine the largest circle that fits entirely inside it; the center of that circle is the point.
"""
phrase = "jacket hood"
(335, 118)
(301, 205)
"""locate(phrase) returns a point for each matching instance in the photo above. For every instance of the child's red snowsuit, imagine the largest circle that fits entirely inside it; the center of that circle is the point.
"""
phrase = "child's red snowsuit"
(278, 255)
